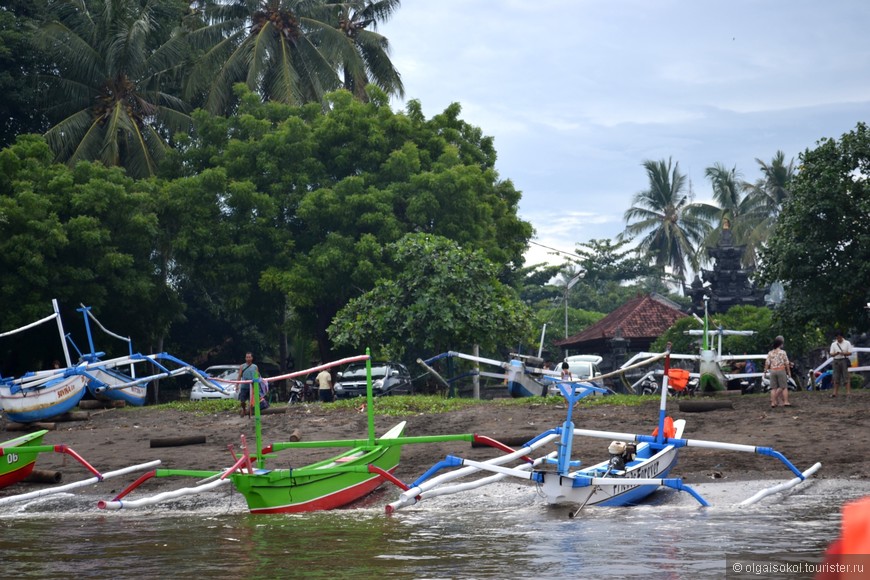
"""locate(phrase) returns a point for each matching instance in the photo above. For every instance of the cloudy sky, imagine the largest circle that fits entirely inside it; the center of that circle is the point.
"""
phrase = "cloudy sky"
(578, 93)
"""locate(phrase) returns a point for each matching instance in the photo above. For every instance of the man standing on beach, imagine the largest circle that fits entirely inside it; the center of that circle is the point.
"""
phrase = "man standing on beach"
(841, 350)
(324, 384)
(247, 372)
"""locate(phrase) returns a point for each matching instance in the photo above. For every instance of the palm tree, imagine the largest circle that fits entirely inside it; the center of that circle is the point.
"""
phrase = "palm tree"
(372, 62)
(728, 188)
(764, 200)
(673, 225)
(291, 51)
(110, 57)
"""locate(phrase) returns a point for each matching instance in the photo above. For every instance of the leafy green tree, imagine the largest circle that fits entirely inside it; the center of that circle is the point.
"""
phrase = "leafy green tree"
(438, 297)
(671, 224)
(761, 320)
(611, 274)
(820, 247)
(345, 183)
(20, 65)
(106, 99)
(81, 235)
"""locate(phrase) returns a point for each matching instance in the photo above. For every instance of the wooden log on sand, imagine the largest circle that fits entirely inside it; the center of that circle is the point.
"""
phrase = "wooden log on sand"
(44, 476)
(274, 411)
(178, 441)
(12, 426)
(704, 405)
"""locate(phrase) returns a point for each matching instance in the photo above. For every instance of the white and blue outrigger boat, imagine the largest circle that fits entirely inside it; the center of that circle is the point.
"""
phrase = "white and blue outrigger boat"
(638, 464)
(521, 378)
(41, 395)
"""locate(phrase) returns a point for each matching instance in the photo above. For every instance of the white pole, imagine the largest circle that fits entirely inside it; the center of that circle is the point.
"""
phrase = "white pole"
(77, 484)
(60, 330)
(120, 504)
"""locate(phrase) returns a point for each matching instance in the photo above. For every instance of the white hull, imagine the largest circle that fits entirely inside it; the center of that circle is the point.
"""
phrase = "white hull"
(559, 489)
(54, 397)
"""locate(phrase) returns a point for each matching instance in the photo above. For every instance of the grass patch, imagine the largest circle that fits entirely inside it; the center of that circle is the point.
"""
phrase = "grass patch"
(433, 405)
(401, 405)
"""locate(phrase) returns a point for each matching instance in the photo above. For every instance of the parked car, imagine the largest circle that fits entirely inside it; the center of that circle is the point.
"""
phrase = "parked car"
(583, 367)
(388, 378)
(202, 390)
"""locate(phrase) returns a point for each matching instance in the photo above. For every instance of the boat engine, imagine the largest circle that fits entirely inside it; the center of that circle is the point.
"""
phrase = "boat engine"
(620, 453)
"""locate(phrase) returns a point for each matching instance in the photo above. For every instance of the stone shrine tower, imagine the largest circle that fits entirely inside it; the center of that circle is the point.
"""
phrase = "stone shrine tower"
(729, 283)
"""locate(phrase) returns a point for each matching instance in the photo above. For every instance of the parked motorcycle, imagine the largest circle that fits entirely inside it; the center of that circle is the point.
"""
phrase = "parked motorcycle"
(652, 382)
(822, 381)
(765, 384)
(301, 392)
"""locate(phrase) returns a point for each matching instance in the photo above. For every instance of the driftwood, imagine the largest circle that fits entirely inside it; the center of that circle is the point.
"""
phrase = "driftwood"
(274, 411)
(44, 476)
(12, 426)
(704, 405)
(295, 435)
(96, 404)
(510, 441)
(178, 441)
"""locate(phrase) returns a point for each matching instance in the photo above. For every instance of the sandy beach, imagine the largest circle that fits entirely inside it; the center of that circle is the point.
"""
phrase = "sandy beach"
(815, 428)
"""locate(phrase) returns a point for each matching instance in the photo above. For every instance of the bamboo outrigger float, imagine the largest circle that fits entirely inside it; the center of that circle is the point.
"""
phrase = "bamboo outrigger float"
(20, 454)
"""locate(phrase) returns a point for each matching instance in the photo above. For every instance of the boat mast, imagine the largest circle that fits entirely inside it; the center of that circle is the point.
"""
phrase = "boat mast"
(370, 407)
(60, 330)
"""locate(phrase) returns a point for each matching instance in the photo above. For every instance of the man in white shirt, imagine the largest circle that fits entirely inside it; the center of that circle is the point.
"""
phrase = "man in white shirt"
(841, 350)
(324, 384)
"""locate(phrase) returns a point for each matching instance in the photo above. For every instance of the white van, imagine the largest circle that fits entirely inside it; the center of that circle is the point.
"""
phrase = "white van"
(583, 367)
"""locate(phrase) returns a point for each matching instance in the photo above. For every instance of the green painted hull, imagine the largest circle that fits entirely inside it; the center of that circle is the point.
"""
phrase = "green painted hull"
(17, 462)
(342, 480)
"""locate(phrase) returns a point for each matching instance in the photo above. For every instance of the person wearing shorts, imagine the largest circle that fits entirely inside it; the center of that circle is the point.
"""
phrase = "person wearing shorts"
(779, 368)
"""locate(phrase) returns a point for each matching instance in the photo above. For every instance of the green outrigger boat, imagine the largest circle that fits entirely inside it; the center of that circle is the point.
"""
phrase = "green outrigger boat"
(19, 457)
(324, 485)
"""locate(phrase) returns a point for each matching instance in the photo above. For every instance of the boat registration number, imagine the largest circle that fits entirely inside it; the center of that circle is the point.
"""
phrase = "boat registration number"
(65, 391)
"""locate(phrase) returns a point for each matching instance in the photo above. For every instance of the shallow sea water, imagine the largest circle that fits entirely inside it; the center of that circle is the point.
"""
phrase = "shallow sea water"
(502, 531)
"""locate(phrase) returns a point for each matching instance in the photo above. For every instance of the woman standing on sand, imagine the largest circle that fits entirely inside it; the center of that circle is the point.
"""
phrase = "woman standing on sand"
(779, 368)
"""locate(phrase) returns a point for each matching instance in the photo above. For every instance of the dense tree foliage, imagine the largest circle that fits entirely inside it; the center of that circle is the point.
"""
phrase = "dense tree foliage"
(20, 65)
(439, 297)
(338, 187)
(264, 224)
(81, 235)
(820, 247)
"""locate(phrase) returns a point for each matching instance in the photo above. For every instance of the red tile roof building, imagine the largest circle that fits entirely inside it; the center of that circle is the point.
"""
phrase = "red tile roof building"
(640, 321)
